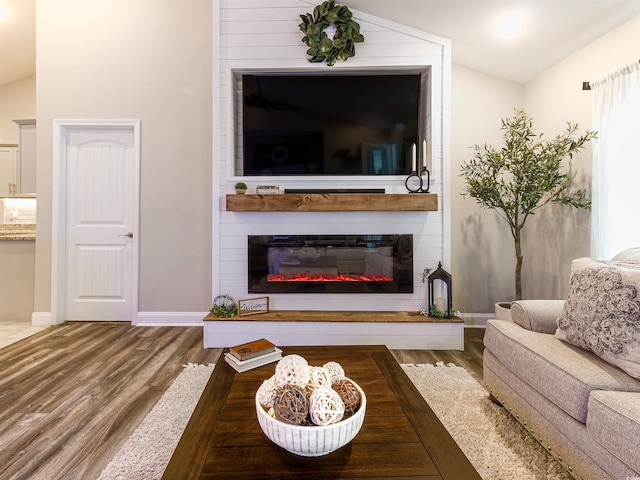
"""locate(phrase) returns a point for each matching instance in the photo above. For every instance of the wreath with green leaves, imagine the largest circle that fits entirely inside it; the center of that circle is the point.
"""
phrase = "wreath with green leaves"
(321, 47)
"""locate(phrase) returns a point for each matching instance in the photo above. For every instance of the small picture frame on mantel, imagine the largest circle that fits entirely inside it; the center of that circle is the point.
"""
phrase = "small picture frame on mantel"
(267, 189)
(253, 306)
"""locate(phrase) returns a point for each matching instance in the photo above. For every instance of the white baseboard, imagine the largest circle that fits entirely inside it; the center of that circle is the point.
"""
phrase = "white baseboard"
(42, 319)
(148, 319)
(191, 319)
(170, 319)
(476, 319)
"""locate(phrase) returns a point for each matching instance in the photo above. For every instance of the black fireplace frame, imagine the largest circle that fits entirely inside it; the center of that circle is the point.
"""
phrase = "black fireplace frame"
(400, 246)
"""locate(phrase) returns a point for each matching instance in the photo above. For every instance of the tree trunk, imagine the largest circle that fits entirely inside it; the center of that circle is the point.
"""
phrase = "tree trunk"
(516, 237)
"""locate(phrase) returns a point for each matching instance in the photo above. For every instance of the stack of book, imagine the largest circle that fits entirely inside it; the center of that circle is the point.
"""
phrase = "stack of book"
(253, 354)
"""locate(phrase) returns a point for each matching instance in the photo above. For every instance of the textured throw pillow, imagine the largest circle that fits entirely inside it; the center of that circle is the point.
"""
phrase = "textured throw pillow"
(602, 312)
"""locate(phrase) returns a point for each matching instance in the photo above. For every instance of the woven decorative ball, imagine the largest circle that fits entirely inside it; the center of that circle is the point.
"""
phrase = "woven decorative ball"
(291, 405)
(335, 371)
(266, 393)
(325, 406)
(292, 370)
(314, 440)
(349, 394)
(318, 377)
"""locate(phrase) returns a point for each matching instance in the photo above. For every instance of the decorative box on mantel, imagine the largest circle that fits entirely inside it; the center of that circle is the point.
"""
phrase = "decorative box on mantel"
(327, 202)
(396, 330)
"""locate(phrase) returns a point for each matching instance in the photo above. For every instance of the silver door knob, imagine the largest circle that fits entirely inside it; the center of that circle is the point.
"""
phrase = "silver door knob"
(128, 234)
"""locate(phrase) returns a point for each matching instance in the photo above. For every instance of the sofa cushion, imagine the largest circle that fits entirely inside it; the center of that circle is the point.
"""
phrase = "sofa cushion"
(602, 312)
(537, 315)
(614, 421)
(563, 373)
(631, 255)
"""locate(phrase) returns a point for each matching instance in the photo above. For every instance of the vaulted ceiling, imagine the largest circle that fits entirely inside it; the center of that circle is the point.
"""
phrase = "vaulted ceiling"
(17, 39)
(551, 30)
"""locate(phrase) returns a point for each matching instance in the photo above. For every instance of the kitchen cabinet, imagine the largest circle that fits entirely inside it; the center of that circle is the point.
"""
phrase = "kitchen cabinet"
(27, 157)
(17, 282)
(8, 169)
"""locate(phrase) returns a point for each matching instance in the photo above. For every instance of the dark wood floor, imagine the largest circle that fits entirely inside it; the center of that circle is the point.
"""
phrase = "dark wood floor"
(72, 394)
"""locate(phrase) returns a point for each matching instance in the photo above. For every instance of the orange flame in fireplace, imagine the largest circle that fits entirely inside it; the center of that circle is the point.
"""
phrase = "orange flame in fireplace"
(323, 277)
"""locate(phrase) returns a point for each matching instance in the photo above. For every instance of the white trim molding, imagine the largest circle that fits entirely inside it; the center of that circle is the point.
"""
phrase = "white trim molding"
(59, 212)
(170, 319)
(476, 319)
(42, 319)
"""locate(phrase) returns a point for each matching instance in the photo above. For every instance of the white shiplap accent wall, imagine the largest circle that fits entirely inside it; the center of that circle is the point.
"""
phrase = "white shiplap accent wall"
(263, 35)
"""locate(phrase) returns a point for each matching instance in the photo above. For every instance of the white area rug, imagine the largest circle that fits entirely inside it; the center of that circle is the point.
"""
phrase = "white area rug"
(497, 446)
(146, 453)
(495, 443)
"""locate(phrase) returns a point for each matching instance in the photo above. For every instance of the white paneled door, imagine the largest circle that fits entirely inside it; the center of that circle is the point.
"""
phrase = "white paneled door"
(99, 168)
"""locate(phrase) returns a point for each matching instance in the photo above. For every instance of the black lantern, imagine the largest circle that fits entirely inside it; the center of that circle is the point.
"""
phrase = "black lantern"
(443, 306)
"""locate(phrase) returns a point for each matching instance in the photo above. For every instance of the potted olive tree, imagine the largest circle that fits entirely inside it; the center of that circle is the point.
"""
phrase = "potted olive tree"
(524, 175)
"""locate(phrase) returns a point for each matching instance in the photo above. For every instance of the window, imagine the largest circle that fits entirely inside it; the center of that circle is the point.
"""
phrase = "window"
(616, 162)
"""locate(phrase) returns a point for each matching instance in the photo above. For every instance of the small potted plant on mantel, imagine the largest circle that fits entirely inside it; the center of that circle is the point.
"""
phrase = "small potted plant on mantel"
(241, 188)
(524, 175)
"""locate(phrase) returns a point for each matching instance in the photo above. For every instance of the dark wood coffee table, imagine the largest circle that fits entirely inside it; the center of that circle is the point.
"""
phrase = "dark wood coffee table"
(401, 436)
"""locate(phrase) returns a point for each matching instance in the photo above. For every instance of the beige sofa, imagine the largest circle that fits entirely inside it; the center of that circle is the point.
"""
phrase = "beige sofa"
(568, 370)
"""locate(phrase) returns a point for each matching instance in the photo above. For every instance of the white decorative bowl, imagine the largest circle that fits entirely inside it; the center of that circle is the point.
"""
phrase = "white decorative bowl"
(312, 441)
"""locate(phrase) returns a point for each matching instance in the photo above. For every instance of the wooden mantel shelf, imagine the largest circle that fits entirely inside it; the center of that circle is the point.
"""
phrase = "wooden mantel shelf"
(327, 202)
(335, 316)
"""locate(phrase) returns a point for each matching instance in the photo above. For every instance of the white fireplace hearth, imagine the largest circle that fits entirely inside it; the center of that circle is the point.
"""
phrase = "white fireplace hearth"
(396, 330)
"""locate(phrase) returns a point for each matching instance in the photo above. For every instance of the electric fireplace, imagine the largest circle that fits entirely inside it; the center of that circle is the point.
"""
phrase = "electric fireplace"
(330, 263)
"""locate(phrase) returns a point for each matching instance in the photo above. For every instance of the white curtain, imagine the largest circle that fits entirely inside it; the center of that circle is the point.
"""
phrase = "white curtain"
(615, 221)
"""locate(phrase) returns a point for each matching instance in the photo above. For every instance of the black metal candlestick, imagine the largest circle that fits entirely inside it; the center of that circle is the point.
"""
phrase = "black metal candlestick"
(415, 183)
(423, 183)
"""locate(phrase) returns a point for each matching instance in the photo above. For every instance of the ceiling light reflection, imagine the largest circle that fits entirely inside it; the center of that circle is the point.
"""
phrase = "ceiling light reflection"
(510, 25)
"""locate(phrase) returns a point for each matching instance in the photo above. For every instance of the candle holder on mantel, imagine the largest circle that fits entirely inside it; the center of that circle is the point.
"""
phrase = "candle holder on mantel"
(422, 174)
(415, 183)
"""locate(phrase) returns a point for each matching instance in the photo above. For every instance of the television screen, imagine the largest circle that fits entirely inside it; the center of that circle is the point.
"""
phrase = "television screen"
(296, 124)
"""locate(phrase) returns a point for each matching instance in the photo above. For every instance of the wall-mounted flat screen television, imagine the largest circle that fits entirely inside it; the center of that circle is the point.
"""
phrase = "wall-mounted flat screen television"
(331, 124)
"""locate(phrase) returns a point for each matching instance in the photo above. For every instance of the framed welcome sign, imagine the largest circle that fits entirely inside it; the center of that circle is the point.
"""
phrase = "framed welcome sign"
(253, 306)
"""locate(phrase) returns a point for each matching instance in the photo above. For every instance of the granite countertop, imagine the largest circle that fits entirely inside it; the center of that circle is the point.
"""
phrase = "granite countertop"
(17, 231)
